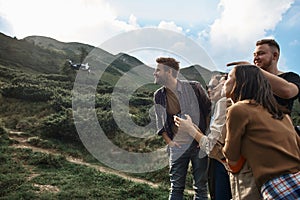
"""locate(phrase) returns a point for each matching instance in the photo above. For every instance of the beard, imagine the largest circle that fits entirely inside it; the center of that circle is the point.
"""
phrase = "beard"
(159, 81)
(265, 65)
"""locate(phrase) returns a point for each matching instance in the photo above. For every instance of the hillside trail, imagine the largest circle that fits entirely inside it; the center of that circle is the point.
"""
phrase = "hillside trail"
(22, 142)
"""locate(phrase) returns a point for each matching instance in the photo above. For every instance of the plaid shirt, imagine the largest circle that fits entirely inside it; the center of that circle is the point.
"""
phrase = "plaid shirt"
(286, 186)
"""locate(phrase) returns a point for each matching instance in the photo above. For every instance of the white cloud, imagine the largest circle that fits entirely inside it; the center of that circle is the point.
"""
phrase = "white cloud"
(70, 20)
(192, 11)
(227, 34)
(241, 23)
(170, 26)
(133, 21)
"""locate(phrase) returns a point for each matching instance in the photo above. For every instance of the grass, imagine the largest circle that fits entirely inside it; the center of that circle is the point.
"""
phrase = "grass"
(25, 174)
(34, 175)
(23, 114)
(78, 151)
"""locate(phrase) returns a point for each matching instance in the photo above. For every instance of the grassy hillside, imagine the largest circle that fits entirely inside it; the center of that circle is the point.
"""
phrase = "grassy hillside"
(22, 55)
(28, 172)
(36, 96)
(197, 73)
(36, 86)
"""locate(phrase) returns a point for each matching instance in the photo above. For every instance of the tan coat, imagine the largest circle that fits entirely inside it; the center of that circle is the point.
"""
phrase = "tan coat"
(271, 146)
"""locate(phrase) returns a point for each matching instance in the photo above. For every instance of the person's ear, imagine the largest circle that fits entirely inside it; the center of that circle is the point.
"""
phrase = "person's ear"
(169, 71)
(276, 56)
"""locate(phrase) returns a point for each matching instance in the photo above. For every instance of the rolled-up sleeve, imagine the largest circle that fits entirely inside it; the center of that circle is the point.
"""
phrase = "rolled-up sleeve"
(208, 142)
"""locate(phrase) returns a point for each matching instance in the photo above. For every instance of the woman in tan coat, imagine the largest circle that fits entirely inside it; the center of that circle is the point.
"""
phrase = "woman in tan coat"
(259, 131)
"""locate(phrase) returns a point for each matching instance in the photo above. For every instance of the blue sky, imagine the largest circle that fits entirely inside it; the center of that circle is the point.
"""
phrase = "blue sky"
(226, 29)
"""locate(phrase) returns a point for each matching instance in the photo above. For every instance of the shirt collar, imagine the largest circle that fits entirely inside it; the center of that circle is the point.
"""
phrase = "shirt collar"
(178, 86)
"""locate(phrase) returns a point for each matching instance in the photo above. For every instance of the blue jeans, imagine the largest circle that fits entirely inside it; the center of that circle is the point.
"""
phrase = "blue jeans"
(219, 178)
(179, 163)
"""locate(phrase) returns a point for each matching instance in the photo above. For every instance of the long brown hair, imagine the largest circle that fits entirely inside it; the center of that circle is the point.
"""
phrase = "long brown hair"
(253, 85)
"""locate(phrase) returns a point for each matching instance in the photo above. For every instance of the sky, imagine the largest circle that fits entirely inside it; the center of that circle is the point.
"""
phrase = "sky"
(226, 30)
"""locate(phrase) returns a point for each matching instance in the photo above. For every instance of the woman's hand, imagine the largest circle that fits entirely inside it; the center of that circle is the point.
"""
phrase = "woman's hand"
(185, 125)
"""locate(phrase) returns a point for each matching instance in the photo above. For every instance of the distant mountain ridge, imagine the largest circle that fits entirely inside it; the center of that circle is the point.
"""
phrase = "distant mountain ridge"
(28, 57)
(39, 54)
(55, 45)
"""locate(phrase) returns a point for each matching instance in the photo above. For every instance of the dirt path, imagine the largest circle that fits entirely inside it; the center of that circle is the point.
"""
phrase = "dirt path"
(22, 143)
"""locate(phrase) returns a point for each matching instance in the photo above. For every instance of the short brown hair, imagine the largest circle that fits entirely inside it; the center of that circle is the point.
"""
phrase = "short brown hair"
(169, 63)
(270, 42)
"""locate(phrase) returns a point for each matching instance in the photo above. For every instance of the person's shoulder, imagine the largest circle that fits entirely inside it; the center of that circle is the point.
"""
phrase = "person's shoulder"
(240, 107)
(194, 84)
(223, 100)
(289, 75)
(188, 82)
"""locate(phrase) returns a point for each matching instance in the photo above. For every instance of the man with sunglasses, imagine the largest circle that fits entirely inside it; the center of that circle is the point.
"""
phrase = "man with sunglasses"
(218, 178)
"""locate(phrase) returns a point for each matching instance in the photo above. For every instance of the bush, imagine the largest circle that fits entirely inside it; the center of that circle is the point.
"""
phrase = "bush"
(60, 101)
(107, 123)
(103, 101)
(3, 130)
(25, 123)
(141, 101)
(47, 160)
(59, 125)
(36, 141)
(27, 92)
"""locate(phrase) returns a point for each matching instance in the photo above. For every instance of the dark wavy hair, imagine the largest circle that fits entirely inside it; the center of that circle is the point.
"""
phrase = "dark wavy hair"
(253, 85)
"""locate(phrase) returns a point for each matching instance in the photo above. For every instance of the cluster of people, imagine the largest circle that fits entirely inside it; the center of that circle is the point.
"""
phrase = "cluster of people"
(237, 133)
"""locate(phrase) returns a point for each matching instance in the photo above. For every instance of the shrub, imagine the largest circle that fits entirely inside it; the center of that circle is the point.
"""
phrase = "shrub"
(27, 92)
(59, 125)
(47, 160)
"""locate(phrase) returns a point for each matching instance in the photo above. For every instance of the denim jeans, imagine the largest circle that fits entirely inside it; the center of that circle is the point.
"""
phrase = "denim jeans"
(219, 181)
(179, 163)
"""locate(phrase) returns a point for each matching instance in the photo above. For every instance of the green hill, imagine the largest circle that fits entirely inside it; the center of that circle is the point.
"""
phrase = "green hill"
(36, 97)
(198, 73)
(25, 56)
